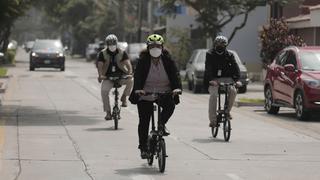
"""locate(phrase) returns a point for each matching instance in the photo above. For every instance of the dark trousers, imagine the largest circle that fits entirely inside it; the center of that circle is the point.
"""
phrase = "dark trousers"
(145, 109)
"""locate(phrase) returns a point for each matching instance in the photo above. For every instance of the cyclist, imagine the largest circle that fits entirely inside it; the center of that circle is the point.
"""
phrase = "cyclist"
(220, 63)
(155, 72)
(113, 62)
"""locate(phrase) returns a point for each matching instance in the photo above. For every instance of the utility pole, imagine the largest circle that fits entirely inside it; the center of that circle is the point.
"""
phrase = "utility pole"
(121, 15)
(139, 19)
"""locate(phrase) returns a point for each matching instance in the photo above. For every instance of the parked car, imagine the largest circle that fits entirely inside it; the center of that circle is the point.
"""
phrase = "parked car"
(196, 66)
(293, 80)
(28, 46)
(1, 58)
(123, 45)
(92, 51)
(47, 53)
(134, 50)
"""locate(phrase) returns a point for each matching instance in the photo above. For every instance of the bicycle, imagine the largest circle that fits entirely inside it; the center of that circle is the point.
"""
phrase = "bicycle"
(222, 117)
(156, 145)
(116, 108)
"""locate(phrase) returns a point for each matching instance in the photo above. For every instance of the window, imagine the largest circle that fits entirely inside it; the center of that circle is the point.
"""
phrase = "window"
(291, 59)
(281, 58)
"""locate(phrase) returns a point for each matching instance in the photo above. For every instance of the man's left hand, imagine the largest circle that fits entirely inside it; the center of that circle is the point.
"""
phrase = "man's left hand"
(238, 84)
(176, 92)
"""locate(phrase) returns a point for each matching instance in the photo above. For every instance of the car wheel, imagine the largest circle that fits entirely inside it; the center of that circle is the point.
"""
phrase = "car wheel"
(195, 87)
(62, 68)
(301, 111)
(269, 101)
(242, 89)
(31, 68)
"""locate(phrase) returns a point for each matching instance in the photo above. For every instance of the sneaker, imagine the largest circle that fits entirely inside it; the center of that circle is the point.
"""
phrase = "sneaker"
(229, 116)
(108, 116)
(164, 130)
(143, 154)
(124, 101)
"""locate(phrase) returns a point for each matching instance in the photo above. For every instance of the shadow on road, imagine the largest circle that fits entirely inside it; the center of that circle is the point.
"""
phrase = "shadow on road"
(34, 116)
(135, 173)
(104, 129)
(209, 140)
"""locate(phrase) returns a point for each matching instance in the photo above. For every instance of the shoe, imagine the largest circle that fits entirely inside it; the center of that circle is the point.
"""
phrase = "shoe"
(228, 115)
(143, 154)
(108, 116)
(124, 101)
(213, 124)
(164, 130)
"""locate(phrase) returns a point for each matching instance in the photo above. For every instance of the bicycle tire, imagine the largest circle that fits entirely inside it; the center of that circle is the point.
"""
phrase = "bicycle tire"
(162, 155)
(226, 129)
(214, 131)
(115, 117)
(150, 145)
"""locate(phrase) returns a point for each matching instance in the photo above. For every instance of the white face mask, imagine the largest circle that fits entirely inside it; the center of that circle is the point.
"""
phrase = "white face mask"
(112, 48)
(155, 52)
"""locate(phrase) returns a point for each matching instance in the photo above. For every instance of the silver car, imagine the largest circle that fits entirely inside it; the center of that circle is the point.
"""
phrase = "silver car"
(196, 66)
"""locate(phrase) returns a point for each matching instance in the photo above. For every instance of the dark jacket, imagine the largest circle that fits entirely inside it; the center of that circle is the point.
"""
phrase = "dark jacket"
(224, 62)
(142, 70)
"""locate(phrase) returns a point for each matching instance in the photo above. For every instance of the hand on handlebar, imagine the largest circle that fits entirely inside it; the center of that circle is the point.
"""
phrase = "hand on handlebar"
(238, 84)
(140, 92)
(176, 92)
(213, 83)
(100, 78)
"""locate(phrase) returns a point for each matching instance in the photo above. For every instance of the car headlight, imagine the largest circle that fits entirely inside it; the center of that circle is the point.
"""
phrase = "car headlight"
(60, 55)
(34, 54)
(312, 83)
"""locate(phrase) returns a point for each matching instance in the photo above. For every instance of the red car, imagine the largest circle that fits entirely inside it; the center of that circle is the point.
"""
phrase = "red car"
(293, 80)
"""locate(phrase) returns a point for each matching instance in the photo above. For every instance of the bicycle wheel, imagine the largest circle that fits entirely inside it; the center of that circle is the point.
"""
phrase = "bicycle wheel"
(214, 131)
(115, 117)
(162, 155)
(150, 145)
(226, 129)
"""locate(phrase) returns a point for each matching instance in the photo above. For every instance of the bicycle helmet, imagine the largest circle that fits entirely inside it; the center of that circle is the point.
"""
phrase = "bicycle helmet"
(155, 39)
(111, 39)
(220, 43)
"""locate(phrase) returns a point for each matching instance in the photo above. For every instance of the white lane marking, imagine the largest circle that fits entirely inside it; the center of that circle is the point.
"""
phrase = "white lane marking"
(142, 177)
(234, 176)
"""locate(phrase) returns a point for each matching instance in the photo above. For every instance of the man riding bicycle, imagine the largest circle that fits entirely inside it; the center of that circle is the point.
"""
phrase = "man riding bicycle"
(155, 72)
(113, 62)
(220, 63)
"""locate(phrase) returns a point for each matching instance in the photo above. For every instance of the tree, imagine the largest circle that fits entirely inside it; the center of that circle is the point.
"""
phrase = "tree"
(10, 11)
(215, 14)
(274, 37)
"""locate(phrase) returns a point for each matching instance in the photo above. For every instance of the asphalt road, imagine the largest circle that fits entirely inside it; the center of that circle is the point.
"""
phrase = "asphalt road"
(52, 128)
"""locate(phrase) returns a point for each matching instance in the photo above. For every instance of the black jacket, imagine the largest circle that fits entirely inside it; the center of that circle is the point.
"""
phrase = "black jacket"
(224, 62)
(142, 70)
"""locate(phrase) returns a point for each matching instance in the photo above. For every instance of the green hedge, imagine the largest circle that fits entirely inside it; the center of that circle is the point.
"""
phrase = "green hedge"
(3, 71)
(10, 56)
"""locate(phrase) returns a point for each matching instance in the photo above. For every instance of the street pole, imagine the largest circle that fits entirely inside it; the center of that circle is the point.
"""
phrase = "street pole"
(139, 20)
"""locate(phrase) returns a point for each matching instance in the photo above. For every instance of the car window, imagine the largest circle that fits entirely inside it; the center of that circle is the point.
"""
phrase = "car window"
(48, 44)
(201, 58)
(192, 57)
(310, 60)
(280, 59)
(291, 58)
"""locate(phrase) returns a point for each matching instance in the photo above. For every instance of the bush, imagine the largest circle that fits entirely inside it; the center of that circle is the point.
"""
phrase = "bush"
(179, 46)
(3, 71)
(10, 56)
(274, 37)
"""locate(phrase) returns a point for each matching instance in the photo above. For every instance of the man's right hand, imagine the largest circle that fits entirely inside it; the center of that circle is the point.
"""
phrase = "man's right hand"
(213, 83)
(100, 78)
(140, 92)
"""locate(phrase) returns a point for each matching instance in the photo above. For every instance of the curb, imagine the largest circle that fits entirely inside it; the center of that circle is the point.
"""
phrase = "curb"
(239, 104)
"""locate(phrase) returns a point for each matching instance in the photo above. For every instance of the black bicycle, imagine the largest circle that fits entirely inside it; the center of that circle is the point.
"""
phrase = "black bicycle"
(222, 112)
(156, 145)
(116, 108)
